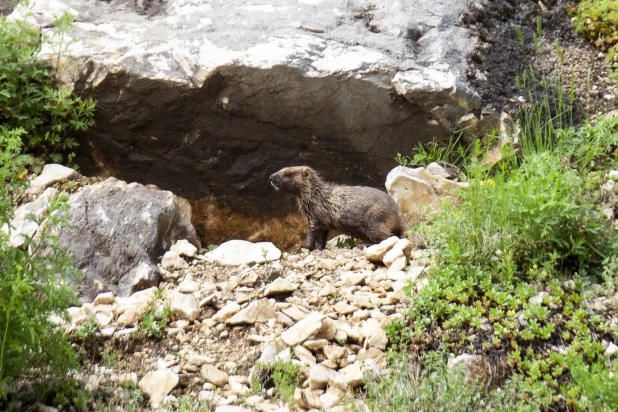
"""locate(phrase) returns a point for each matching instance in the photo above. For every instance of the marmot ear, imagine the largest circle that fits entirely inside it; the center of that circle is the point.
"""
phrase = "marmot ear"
(306, 171)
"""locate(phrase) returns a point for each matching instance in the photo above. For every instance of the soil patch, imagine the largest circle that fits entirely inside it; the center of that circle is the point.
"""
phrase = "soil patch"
(558, 51)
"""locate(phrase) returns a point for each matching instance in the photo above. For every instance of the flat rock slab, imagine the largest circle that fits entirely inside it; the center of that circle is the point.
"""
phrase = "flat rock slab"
(209, 98)
(158, 383)
(52, 173)
(242, 252)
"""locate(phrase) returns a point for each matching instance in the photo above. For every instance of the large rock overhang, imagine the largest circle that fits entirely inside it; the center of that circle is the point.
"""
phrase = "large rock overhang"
(208, 98)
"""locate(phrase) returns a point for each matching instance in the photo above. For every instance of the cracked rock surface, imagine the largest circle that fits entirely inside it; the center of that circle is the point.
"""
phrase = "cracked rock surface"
(207, 98)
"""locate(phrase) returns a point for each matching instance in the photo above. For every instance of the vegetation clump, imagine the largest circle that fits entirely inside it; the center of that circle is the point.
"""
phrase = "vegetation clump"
(36, 118)
(598, 21)
(523, 255)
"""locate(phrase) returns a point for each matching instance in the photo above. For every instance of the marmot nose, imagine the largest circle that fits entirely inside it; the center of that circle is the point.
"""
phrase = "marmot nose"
(272, 177)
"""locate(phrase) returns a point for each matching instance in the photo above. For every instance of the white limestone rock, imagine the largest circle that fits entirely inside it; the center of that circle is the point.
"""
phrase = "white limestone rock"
(157, 384)
(303, 329)
(184, 248)
(242, 252)
(52, 173)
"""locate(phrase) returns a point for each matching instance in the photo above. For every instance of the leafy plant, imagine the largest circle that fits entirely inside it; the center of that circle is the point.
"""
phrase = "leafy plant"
(33, 282)
(434, 151)
(284, 376)
(532, 222)
(47, 116)
(286, 379)
(347, 242)
(153, 321)
(87, 329)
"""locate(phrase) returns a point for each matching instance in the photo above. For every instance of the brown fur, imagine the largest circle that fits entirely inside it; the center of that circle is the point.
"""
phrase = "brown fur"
(358, 211)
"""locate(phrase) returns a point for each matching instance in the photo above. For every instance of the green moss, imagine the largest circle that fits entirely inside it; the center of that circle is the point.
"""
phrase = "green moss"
(598, 21)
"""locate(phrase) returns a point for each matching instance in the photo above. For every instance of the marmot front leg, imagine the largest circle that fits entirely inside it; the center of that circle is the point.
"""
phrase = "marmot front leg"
(320, 242)
(316, 238)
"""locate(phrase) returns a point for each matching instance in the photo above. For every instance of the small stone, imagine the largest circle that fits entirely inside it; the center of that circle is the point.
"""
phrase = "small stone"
(188, 286)
(213, 375)
(127, 379)
(269, 355)
(328, 290)
(285, 355)
(303, 330)
(328, 264)
(318, 377)
(328, 329)
(354, 375)
(51, 173)
(229, 310)
(344, 309)
(304, 398)
(242, 252)
(437, 170)
(398, 264)
(315, 345)
(157, 384)
(295, 313)
(184, 248)
(611, 349)
(199, 360)
(257, 311)
(185, 306)
(254, 400)
(538, 298)
(284, 319)
(374, 333)
(231, 408)
(341, 337)
(279, 287)
(106, 298)
(335, 353)
(304, 355)
(402, 247)
(376, 253)
(332, 397)
(353, 278)
(172, 261)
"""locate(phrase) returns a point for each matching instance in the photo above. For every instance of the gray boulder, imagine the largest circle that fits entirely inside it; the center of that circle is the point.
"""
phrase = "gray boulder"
(117, 233)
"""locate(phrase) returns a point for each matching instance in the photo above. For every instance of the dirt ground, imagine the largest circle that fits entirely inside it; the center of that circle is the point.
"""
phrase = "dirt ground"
(501, 57)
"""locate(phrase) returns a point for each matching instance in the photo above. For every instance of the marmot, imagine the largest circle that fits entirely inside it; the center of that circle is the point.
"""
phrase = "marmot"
(358, 211)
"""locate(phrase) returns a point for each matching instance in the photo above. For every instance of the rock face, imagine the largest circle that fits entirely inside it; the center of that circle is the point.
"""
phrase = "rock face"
(209, 98)
(117, 233)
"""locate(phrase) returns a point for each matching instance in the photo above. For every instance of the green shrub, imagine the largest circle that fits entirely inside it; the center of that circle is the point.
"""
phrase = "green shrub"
(32, 286)
(534, 216)
(35, 118)
(532, 222)
(28, 99)
(411, 386)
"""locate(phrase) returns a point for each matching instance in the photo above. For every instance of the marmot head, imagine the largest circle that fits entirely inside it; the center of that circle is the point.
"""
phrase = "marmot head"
(292, 179)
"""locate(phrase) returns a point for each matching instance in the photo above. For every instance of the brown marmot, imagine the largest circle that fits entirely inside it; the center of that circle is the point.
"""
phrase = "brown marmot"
(358, 211)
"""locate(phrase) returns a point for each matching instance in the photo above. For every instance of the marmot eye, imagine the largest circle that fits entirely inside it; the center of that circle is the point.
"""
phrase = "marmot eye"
(287, 174)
